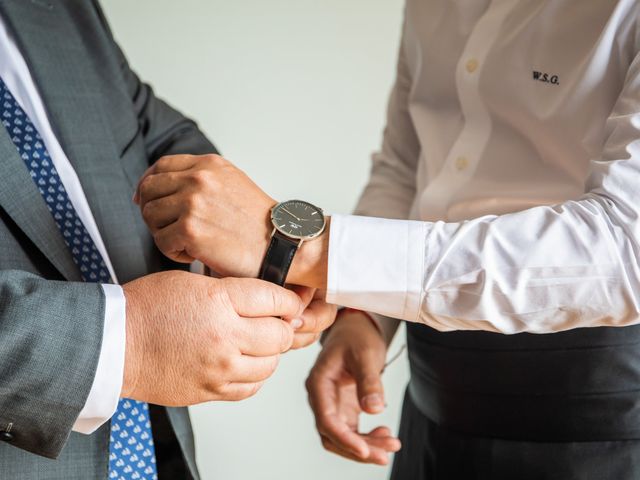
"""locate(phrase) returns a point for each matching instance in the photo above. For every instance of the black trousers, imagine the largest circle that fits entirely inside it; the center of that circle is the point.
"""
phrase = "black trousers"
(431, 452)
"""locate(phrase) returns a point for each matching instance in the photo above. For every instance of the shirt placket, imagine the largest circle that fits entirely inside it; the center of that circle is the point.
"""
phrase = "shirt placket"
(466, 153)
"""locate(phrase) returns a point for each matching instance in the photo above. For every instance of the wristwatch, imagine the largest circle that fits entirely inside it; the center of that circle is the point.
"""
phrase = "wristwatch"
(294, 222)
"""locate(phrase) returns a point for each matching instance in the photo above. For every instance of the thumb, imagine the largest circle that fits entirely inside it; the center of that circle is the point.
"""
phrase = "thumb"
(369, 384)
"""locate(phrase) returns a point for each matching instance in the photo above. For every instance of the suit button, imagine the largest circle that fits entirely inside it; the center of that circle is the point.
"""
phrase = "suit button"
(6, 436)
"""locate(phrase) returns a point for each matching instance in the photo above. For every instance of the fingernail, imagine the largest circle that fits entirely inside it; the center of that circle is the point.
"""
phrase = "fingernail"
(373, 401)
(296, 323)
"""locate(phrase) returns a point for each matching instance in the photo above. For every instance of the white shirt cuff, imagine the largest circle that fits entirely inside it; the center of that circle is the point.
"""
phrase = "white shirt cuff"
(376, 265)
(103, 398)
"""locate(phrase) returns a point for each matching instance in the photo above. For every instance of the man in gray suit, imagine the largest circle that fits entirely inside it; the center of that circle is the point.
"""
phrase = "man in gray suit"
(79, 130)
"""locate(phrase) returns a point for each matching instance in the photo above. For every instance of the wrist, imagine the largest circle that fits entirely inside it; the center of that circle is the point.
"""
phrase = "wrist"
(310, 264)
(372, 321)
(352, 323)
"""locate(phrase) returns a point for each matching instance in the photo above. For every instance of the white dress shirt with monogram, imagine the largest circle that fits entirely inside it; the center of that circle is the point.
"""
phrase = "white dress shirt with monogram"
(511, 157)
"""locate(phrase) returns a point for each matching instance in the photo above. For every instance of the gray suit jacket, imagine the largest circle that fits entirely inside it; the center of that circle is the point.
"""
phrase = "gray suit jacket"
(112, 127)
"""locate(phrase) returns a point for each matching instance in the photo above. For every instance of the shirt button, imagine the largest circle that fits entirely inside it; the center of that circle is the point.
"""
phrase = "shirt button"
(462, 163)
(472, 65)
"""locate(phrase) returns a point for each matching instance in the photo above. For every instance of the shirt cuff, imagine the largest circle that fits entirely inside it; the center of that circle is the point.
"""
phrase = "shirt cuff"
(376, 265)
(103, 398)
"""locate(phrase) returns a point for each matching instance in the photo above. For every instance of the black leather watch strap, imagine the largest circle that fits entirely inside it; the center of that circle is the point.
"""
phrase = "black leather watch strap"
(278, 258)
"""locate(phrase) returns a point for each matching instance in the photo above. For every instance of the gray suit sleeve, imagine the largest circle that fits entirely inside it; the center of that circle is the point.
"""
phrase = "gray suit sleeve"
(50, 340)
(166, 131)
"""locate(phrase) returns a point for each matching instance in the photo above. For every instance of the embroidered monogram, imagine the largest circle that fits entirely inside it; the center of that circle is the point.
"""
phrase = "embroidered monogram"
(546, 78)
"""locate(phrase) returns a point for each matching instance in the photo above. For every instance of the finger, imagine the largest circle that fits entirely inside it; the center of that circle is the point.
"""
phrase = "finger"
(170, 163)
(173, 241)
(387, 442)
(161, 213)
(380, 432)
(369, 382)
(317, 317)
(323, 399)
(249, 369)
(303, 340)
(155, 186)
(257, 298)
(376, 456)
(340, 434)
(333, 448)
(306, 294)
(235, 392)
(267, 336)
(379, 446)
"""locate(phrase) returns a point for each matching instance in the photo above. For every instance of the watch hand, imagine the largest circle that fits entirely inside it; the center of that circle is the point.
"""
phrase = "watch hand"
(285, 210)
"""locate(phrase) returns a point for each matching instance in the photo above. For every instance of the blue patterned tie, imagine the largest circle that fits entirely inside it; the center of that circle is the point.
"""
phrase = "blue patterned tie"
(131, 451)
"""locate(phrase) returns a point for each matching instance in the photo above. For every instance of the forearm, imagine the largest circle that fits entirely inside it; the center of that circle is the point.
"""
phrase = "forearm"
(541, 270)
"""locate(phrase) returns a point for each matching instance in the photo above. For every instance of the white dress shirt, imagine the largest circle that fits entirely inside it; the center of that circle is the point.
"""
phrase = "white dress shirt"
(105, 391)
(511, 161)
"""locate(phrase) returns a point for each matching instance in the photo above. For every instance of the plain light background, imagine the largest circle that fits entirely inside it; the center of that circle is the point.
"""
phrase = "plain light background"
(294, 92)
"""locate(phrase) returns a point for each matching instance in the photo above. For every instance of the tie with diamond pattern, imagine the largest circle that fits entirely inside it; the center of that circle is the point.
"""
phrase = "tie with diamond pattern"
(131, 451)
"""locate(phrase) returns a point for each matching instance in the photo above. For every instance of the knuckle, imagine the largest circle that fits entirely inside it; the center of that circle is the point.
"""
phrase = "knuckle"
(226, 365)
(191, 203)
(215, 160)
(213, 386)
(147, 211)
(145, 185)
(163, 162)
(200, 178)
(326, 444)
(188, 228)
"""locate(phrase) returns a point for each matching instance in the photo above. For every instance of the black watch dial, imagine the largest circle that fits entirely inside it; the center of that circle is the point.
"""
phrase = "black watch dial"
(298, 219)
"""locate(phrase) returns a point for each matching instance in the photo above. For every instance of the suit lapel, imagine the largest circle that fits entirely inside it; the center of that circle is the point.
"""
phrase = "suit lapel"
(71, 90)
(21, 199)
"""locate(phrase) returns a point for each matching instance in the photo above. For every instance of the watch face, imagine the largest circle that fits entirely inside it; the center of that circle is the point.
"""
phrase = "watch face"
(298, 219)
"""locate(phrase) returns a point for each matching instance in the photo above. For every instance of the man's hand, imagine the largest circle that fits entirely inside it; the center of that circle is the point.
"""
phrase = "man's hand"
(192, 339)
(316, 318)
(345, 381)
(204, 208)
